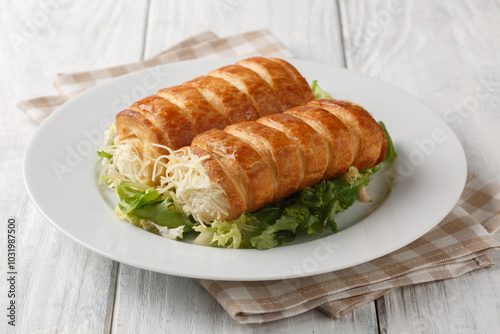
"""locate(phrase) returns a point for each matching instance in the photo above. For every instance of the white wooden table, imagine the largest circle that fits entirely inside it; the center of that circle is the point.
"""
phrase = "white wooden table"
(445, 53)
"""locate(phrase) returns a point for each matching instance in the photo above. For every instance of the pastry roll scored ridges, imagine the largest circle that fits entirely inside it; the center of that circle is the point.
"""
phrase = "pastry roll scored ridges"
(200, 112)
(287, 89)
(277, 155)
(258, 90)
(312, 148)
(301, 81)
(244, 163)
(174, 116)
(231, 103)
(175, 127)
(341, 147)
(371, 143)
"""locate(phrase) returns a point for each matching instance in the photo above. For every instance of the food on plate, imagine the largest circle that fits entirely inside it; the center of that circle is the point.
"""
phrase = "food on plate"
(248, 165)
(247, 90)
(256, 183)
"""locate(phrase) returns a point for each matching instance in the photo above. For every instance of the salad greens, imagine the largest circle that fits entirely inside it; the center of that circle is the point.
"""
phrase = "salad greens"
(391, 153)
(105, 154)
(318, 92)
(311, 210)
(141, 202)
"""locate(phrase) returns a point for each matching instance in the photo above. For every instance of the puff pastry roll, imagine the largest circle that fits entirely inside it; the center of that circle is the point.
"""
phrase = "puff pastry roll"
(250, 164)
(253, 88)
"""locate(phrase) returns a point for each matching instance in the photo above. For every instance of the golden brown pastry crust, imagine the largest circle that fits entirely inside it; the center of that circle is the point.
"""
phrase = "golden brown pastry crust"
(250, 172)
(285, 87)
(312, 147)
(201, 113)
(141, 133)
(168, 119)
(228, 100)
(258, 90)
(280, 153)
(220, 174)
(341, 148)
(301, 81)
(136, 127)
(373, 141)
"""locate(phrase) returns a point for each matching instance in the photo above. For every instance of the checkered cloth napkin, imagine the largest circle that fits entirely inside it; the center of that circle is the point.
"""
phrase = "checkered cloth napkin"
(458, 245)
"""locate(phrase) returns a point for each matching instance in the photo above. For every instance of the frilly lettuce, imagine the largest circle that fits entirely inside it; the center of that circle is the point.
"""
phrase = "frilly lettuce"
(391, 152)
(318, 92)
(312, 210)
(140, 204)
(229, 234)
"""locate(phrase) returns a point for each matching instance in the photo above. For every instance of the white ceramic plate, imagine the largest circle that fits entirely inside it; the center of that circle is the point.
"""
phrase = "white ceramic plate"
(424, 182)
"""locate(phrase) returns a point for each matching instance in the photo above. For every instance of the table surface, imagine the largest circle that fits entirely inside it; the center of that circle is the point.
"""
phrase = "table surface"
(445, 53)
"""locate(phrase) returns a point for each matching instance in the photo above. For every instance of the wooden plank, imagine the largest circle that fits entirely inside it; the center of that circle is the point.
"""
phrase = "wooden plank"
(446, 54)
(467, 304)
(61, 286)
(310, 29)
(147, 301)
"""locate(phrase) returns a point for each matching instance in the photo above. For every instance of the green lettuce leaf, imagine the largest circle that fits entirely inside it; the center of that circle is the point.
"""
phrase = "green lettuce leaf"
(391, 152)
(105, 154)
(230, 234)
(312, 210)
(282, 231)
(139, 201)
(134, 195)
(318, 92)
(163, 212)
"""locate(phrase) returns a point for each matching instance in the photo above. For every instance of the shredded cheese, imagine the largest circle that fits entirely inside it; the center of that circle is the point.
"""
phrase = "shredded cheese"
(363, 195)
(182, 177)
(127, 161)
(351, 175)
(192, 190)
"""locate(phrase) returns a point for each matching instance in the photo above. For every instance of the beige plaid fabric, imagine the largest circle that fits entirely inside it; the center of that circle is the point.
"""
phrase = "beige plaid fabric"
(204, 45)
(459, 244)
